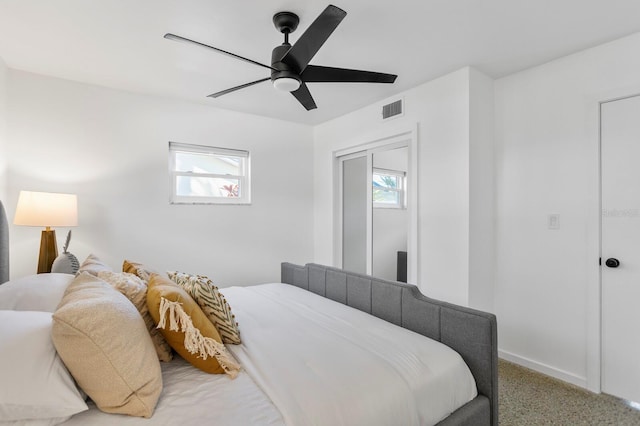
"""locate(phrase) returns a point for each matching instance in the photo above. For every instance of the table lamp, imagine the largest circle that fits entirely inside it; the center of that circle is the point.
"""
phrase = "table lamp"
(46, 209)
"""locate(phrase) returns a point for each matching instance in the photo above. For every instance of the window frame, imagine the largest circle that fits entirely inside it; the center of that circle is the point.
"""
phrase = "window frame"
(401, 189)
(244, 179)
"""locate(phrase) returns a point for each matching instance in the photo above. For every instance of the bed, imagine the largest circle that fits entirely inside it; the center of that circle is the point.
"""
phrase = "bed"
(471, 333)
(323, 347)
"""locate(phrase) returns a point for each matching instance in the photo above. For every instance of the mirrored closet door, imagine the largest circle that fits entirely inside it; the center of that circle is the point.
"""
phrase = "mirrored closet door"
(375, 210)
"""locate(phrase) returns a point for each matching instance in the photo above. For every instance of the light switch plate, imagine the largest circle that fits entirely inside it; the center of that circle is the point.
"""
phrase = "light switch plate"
(553, 221)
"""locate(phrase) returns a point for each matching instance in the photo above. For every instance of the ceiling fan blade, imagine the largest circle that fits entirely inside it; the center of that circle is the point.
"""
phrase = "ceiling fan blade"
(233, 89)
(316, 74)
(313, 38)
(304, 97)
(174, 37)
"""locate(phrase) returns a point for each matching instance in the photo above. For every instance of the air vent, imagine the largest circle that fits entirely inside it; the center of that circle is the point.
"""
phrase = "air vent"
(392, 110)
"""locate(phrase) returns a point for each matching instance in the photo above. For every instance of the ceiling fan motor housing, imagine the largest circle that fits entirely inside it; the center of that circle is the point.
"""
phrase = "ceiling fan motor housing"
(282, 70)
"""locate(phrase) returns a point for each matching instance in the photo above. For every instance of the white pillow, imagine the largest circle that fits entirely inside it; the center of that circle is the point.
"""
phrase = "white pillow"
(42, 292)
(35, 383)
(35, 422)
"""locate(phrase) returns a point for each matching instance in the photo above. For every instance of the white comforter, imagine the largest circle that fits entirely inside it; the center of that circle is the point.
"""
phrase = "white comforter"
(323, 363)
(191, 397)
(315, 362)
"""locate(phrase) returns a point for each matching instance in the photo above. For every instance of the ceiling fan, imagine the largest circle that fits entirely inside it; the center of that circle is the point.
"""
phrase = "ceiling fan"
(290, 69)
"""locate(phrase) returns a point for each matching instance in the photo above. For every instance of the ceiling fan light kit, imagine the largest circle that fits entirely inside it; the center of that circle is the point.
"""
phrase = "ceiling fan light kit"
(286, 84)
(290, 69)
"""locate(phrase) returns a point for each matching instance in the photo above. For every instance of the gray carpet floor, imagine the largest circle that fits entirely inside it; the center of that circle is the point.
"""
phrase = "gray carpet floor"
(530, 398)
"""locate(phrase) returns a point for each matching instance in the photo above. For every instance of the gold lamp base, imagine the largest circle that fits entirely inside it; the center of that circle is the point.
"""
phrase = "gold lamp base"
(48, 250)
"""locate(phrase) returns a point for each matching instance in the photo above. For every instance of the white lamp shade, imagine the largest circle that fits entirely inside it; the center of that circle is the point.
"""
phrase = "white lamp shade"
(46, 209)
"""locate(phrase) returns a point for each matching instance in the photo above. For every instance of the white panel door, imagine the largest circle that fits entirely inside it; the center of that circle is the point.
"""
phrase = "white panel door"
(620, 243)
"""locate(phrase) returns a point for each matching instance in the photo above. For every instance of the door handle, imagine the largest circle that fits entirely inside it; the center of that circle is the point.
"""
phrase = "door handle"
(612, 262)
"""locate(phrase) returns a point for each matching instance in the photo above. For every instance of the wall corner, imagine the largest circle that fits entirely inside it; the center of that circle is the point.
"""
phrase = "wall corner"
(481, 191)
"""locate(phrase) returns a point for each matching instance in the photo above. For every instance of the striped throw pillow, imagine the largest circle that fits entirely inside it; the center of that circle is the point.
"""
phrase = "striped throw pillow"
(212, 303)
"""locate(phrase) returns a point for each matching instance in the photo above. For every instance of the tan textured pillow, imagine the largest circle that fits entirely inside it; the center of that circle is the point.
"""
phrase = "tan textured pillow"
(104, 343)
(93, 264)
(143, 272)
(136, 291)
(187, 329)
(212, 303)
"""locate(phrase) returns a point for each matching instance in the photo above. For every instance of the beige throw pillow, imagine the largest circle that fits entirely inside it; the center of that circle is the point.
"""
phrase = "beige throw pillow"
(212, 303)
(136, 291)
(93, 264)
(139, 269)
(103, 341)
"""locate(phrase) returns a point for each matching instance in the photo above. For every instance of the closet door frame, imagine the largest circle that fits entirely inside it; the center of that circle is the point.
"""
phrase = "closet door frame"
(407, 137)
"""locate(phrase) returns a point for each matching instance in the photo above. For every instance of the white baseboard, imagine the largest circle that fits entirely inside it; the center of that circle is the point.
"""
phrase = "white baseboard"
(544, 369)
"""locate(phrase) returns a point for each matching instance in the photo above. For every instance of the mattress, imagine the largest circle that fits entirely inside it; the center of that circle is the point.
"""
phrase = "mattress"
(308, 360)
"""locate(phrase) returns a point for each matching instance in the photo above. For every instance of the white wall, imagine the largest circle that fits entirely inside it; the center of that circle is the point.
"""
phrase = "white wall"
(441, 108)
(481, 192)
(547, 288)
(111, 148)
(3, 133)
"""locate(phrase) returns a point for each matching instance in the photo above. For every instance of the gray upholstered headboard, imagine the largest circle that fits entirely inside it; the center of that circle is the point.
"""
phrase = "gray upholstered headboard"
(471, 333)
(4, 246)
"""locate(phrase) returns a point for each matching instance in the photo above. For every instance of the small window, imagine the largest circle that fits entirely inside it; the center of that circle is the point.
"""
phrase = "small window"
(208, 175)
(388, 189)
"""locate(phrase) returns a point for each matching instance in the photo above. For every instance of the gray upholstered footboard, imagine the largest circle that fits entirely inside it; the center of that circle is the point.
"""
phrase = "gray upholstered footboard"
(471, 333)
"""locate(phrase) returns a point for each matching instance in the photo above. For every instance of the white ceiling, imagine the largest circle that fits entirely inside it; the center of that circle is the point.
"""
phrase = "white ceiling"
(120, 44)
